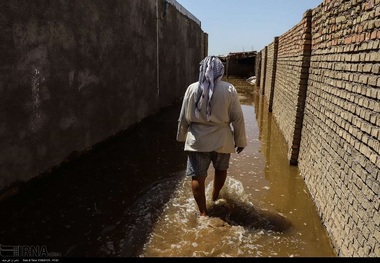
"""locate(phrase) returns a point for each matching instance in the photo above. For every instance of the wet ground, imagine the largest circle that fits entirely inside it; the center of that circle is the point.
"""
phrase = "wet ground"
(128, 197)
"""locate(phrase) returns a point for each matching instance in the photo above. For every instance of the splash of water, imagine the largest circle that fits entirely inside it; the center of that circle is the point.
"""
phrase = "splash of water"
(233, 228)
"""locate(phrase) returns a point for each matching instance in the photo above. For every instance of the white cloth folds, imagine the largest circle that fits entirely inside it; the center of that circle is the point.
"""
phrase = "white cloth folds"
(211, 71)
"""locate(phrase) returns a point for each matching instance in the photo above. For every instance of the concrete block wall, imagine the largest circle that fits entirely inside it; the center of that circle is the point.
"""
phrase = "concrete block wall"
(74, 73)
(204, 45)
(181, 41)
(339, 150)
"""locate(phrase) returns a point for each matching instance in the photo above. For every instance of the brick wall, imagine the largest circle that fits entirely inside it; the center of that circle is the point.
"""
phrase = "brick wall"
(293, 61)
(337, 115)
(271, 54)
(263, 69)
(258, 67)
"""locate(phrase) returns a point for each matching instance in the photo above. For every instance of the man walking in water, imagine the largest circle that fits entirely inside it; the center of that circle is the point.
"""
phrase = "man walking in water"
(211, 124)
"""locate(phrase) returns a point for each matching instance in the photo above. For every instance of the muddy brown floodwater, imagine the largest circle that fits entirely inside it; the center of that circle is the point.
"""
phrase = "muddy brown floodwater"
(128, 197)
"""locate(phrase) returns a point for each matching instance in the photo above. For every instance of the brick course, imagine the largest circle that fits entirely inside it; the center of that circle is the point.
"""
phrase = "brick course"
(322, 80)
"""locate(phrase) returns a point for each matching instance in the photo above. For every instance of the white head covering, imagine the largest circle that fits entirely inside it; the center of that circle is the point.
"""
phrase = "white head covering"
(211, 71)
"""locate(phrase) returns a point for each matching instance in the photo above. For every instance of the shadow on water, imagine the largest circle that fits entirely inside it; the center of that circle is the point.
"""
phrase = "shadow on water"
(237, 210)
(81, 208)
(129, 197)
(144, 213)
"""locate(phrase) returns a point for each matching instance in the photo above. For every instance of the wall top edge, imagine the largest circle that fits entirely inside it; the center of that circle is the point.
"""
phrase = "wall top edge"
(184, 11)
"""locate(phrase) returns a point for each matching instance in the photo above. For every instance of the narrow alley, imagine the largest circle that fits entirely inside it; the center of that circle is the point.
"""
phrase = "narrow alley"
(128, 197)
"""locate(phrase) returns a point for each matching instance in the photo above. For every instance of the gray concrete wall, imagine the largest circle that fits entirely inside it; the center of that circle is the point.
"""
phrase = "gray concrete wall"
(74, 73)
(327, 104)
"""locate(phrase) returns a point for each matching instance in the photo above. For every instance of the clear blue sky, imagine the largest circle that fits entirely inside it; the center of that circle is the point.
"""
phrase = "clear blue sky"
(246, 25)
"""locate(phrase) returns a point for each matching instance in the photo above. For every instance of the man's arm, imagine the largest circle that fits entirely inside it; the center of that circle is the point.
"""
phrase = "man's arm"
(238, 124)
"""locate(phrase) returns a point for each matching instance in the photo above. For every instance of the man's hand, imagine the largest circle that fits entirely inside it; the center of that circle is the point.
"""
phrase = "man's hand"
(239, 149)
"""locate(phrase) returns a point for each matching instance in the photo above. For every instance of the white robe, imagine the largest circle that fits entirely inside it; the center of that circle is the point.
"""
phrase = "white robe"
(223, 132)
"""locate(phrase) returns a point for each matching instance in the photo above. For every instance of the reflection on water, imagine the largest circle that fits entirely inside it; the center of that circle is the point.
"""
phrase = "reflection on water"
(129, 197)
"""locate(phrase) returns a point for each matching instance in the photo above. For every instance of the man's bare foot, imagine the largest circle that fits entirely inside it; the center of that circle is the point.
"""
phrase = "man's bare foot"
(203, 214)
